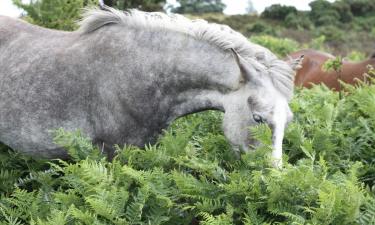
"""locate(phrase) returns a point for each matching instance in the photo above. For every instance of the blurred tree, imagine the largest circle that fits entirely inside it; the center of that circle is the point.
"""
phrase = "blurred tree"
(278, 12)
(299, 21)
(261, 27)
(323, 13)
(250, 9)
(343, 9)
(333, 34)
(361, 7)
(199, 6)
(55, 14)
(145, 5)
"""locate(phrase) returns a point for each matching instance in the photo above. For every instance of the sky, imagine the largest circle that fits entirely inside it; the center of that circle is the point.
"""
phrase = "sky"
(233, 6)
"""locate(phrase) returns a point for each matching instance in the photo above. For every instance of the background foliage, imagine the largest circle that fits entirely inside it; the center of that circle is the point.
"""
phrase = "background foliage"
(199, 6)
(60, 14)
(346, 25)
(145, 5)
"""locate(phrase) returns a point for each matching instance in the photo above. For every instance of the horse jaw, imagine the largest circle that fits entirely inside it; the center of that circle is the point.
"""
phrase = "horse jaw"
(238, 120)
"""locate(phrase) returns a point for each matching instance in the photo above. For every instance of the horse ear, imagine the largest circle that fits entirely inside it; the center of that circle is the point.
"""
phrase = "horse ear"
(296, 64)
(248, 73)
(102, 5)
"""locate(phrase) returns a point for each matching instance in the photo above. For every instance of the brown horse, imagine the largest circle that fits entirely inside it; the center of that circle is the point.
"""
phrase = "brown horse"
(312, 72)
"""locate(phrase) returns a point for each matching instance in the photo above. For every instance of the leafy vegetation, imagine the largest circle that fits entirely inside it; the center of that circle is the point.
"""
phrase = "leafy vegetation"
(346, 24)
(281, 46)
(278, 12)
(199, 6)
(61, 14)
(192, 174)
(148, 5)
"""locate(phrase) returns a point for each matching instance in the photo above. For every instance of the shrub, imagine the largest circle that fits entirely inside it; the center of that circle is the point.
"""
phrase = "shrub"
(317, 43)
(331, 33)
(61, 15)
(149, 5)
(361, 7)
(343, 9)
(199, 6)
(366, 24)
(372, 32)
(280, 46)
(260, 27)
(328, 19)
(323, 13)
(278, 12)
(356, 56)
(299, 21)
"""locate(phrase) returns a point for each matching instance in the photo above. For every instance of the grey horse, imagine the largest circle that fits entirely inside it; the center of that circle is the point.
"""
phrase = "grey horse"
(123, 77)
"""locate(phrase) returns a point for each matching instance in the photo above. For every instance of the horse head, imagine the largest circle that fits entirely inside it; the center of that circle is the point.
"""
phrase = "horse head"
(260, 99)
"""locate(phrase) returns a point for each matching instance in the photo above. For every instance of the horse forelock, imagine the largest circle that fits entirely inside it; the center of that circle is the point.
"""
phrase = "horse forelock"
(282, 76)
(222, 36)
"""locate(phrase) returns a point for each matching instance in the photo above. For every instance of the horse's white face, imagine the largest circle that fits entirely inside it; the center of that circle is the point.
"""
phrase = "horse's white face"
(251, 106)
(257, 101)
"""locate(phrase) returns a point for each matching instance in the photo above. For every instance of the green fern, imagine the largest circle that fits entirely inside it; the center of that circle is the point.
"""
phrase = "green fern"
(78, 146)
(367, 216)
(192, 176)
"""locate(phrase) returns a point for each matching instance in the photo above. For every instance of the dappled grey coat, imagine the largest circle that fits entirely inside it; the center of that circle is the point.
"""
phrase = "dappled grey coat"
(123, 77)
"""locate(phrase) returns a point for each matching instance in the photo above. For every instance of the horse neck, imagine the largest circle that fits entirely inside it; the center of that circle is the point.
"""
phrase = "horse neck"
(192, 74)
(196, 74)
(356, 70)
(370, 61)
(204, 76)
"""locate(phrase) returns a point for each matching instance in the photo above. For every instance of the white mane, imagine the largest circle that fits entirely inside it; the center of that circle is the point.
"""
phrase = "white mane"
(220, 35)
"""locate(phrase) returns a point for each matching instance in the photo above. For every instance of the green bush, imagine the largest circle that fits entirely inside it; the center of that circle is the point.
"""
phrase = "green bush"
(198, 6)
(366, 24)
(317, 43)
(361, 7)
(280, 46)
(356, 56)
(344, 10)
(61, 14)
(323, 13)
(299, 21)
(260, 27)
(278, 12)
(149, 5)
(331, 33)
(372, 33)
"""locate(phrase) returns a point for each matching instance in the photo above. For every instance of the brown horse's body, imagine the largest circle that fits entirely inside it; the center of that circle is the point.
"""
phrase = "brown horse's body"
(312, 72)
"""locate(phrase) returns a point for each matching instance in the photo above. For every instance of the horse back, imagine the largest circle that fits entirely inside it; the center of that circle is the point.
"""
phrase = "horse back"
(311, 70)
(12, 29)
(7, 29)
(313, 73)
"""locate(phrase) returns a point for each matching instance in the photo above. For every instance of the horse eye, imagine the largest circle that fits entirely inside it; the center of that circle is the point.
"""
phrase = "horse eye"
(257, 118)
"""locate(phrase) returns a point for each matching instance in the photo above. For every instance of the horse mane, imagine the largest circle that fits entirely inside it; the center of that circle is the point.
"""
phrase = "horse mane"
(222, 36)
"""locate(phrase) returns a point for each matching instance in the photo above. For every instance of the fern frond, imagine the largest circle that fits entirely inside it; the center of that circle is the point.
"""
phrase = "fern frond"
(78, 146)
(134, 210)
